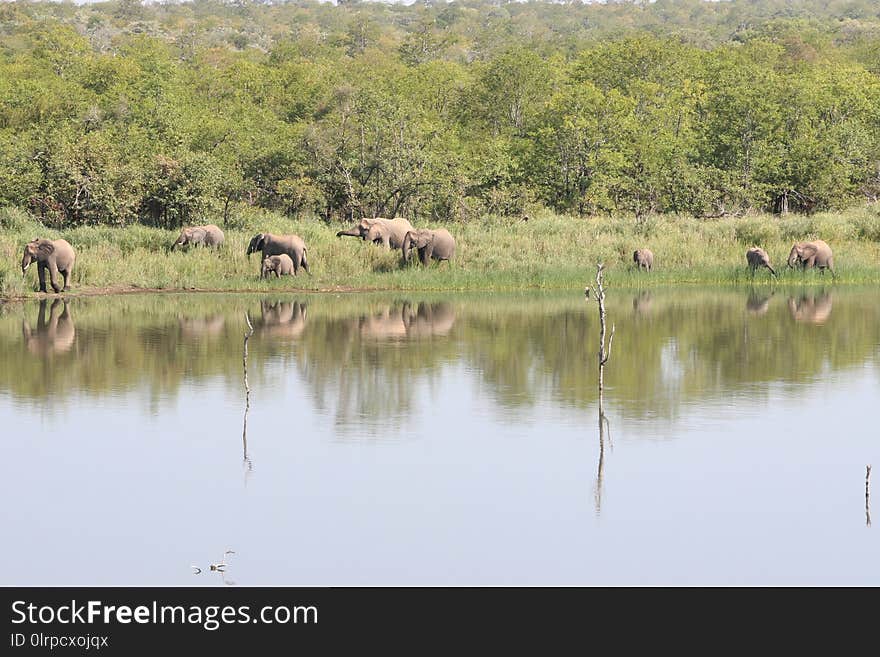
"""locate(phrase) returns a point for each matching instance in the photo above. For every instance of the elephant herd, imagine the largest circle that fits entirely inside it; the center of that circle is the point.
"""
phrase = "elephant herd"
(803, 255)
(284, 255)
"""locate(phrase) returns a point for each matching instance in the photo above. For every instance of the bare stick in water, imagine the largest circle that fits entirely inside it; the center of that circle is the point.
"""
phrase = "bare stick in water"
(598, 293)
(247, 389)
(868, 496)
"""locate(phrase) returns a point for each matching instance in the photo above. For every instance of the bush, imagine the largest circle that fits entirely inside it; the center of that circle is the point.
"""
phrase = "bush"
(756, 231)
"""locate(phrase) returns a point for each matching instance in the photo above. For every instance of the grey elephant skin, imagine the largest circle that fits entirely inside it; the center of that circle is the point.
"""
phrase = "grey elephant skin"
(291, 245)
(379, 230)
(54, 255)
(280, 265)
(807, 255)
(644, 259)
(437, 244)
(209, 235)
(757, 257)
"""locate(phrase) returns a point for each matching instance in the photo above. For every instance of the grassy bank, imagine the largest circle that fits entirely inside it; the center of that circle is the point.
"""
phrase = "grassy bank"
(547, 251)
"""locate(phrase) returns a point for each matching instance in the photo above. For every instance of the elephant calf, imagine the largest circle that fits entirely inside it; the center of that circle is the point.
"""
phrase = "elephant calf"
(757, 257)
(437, 244)
(644, 259)
(280, 265)
(812, 254)
(54, 255)
(209, 235)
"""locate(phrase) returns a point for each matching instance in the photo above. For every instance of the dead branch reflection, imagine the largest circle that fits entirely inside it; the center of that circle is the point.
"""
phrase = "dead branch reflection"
(247, 397)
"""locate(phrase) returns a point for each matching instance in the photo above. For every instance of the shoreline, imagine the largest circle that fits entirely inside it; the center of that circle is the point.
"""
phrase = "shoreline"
(628, 284)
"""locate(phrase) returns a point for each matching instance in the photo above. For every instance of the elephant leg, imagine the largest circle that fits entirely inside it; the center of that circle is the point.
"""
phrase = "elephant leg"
(305, 265)
(66, 274)
(53, 277)
(41, 274)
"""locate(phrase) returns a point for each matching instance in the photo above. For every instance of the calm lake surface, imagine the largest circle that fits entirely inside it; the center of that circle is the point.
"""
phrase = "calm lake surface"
(417, 439)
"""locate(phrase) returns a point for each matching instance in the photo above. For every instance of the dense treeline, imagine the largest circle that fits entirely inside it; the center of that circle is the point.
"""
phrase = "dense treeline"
(169, 114)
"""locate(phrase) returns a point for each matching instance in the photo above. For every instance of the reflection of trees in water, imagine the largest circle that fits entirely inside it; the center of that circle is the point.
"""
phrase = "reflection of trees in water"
(361, 357)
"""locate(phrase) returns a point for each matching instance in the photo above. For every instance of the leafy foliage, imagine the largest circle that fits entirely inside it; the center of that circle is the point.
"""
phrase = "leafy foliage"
(168, 114)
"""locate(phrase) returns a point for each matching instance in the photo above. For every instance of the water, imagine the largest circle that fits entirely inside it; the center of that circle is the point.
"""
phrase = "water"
(412, 439)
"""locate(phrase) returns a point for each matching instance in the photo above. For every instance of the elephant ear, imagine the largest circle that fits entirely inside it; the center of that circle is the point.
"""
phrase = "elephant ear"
(808, 250)
(256, 243)
(45, 248)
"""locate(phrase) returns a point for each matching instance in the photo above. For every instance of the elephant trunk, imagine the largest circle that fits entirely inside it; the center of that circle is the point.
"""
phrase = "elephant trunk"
(351, 232)
(772, 271)
(25, 262)
(405, 247)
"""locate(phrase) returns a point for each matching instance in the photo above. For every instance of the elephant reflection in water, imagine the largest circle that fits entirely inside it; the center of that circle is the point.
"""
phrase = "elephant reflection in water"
(429, 319)
(757, 304)
(202, 326)
(281, 319)
(642, 303)
(54, 336)
(810, 308)
(406, 321)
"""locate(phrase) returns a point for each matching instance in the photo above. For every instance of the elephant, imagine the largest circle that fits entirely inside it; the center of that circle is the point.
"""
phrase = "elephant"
(437, 244)
(54, 255)
(389, 232)
(757, 257)
(291, 245)
(812, 254)
(209, 235)
(280, 265)
(644, 258)
(53, 337)
(812, 309)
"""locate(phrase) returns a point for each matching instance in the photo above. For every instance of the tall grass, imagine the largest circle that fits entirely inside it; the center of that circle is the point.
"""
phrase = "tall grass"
(548, 251)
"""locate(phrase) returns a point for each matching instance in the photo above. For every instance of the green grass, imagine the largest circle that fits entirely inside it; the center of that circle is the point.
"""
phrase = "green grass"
(547, 252)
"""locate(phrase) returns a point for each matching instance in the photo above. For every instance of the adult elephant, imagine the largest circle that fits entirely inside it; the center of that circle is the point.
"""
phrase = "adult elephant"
(437, 244)
(757, 257)
(644, 259)
(54, 255)
(807, 255)
(379, 230)
(209, 235)
(272, 245)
